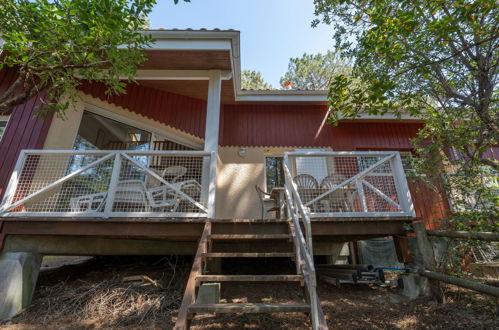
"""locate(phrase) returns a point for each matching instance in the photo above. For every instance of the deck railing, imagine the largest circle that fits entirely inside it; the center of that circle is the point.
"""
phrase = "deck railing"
(349, 184)
(109, 184)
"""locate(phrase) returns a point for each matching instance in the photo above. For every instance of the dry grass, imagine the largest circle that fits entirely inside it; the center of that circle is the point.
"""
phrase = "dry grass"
(101, 297)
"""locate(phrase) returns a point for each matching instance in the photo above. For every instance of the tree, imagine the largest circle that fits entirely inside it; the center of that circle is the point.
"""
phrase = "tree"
(314, 71)
(55, 44)
(253, 80)
(437, 60)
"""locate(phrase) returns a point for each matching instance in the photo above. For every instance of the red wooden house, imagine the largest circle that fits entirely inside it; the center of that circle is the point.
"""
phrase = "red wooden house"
(173, 164)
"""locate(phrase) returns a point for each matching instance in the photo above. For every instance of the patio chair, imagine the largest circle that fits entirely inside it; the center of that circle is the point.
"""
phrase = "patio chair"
(337, 201)
(133, 195)
(171, 174)
(163, 196)
(307, 188)
(268, 204)
(175, 172)
(88, 203)
(130, 195)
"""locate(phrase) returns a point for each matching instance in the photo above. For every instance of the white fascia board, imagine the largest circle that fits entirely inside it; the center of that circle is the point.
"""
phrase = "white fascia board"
(180, 44)
(282, 95)
(192, 40)
(280, 98)
(191, 34)
(180, 74)
(388, 116)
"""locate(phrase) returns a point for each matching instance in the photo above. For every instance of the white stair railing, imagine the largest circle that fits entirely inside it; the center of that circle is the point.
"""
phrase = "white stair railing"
(302, 243)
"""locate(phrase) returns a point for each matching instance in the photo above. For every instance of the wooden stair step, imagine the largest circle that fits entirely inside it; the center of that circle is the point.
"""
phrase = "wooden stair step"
(248, 255)
(249, 308)
(249, 278)
(248, 236)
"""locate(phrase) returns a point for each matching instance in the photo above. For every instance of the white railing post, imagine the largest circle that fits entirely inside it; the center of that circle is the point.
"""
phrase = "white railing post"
(113, 184)
(401, 185)
(362, 195)
(10, 191)
(212, 185)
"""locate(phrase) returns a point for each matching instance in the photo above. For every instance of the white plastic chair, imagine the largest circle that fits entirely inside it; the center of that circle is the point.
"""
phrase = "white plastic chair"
(131, 194)
(176, 172)
(88, 203)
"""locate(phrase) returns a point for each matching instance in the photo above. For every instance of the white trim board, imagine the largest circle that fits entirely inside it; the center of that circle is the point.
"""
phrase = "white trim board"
(180, 75)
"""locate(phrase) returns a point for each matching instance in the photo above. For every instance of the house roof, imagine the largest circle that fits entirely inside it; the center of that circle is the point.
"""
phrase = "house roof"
(220, 49)
(216, 49)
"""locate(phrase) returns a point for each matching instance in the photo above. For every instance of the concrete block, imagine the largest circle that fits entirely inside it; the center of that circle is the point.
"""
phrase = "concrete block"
(414, 285)
(18, 276)
(209, 293)
(337, 253)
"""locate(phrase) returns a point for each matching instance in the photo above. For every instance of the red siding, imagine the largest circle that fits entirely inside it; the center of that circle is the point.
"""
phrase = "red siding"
(375, 136)
(305, 126)
(275, 125)
(24, 130)
(182, 112)
(428, 204)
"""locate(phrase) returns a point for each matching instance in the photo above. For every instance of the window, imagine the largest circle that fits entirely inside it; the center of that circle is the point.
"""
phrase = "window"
(312, 165)
(368, 161)
(101, 133)
(274, 172)
(3, 126)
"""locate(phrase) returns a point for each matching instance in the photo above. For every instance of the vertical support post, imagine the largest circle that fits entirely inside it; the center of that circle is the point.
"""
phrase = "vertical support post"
(428, 257)
(14, 180)
(402, 249)
(211, 135)
(113, 184)
(18, 277)
(401, 185)
(362, 195)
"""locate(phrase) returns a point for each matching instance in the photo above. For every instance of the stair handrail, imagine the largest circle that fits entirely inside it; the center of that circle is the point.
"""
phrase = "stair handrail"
(303, 243)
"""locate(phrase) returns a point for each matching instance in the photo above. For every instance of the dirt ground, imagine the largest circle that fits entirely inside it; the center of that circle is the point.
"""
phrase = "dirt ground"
(146, 292)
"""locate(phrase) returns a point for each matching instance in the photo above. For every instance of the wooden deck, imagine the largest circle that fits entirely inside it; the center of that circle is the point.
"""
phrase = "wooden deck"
(190, 230)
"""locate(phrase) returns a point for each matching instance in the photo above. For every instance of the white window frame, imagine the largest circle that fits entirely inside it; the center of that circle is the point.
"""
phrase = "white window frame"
(6, 120)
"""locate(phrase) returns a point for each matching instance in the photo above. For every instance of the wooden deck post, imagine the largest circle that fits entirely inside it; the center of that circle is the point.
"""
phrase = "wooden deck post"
(402, 249)
(428, 257)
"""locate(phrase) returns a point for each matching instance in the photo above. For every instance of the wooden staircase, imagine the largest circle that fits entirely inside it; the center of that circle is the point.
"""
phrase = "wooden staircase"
(191, 306)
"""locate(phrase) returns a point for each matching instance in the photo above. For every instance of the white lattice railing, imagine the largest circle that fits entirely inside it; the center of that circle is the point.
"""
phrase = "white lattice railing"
(350, 184)
(109, 184)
